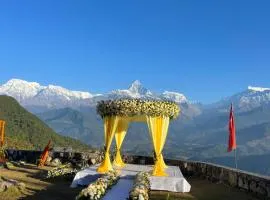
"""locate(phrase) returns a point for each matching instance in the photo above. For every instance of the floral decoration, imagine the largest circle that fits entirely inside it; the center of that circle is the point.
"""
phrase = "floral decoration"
(62, 170)
(134, 107)
(141, 187)
(97, 189)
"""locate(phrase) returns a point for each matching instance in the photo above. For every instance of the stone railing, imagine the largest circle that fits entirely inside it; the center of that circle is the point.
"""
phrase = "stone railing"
(253, 183)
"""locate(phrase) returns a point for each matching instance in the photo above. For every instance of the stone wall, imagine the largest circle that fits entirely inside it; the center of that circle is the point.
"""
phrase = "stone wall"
(253, 183)
(67, 156)
(25, 155)
(249, 182)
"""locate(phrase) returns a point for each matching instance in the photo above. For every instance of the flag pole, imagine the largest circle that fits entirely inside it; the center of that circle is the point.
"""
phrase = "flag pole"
(235, 154)
(235, 158)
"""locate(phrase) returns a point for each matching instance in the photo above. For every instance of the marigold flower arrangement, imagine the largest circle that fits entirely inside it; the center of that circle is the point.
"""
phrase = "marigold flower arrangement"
(133, 107)
(141, 187)
(97, 189)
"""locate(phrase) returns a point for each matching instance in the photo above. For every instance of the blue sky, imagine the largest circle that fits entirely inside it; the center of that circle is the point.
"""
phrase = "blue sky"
(204, 49)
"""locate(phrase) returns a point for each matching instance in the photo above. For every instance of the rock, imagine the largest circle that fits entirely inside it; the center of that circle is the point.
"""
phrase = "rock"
(268, 190)
(38, 161)
(243, 182)
(49, 159)
(22, 163)
(2, 187)
(56, 162)
(21, 186)
(6, 183)
(93, 161)
(232, 179)
(9, 165)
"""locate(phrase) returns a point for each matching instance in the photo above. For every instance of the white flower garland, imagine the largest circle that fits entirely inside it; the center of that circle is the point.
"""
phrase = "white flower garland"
(97, 189)
(141, 187)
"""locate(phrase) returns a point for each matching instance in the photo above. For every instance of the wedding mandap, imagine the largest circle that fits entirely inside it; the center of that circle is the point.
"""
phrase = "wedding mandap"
(118, 114)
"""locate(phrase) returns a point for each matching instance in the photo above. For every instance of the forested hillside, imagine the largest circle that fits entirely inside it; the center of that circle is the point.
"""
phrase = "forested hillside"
(26, 131)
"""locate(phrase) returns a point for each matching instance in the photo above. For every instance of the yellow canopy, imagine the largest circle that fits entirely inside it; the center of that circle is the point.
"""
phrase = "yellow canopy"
(116, 125)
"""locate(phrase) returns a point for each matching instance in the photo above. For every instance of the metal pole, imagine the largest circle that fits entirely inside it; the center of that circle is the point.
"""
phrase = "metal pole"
(235, 159)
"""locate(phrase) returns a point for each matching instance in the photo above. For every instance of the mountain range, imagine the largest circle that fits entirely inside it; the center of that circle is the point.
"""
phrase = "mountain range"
(37, 97)
(200, 133)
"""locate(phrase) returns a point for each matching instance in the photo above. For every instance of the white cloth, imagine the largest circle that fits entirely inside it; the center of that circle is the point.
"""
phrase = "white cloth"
(174, 182)
(86, 176)
(120, 191)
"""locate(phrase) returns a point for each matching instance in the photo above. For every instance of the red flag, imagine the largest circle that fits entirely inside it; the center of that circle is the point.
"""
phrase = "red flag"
(232, 136)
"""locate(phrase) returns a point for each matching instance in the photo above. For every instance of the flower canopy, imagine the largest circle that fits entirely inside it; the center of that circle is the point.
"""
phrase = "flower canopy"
(117, 114)
(137, 107)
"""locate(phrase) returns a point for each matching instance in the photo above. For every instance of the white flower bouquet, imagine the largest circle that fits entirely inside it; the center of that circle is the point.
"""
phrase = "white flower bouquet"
(97, 189)
(141, 187)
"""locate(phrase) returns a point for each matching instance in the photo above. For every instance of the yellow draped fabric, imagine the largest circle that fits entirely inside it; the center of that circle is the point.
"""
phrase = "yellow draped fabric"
(158, 127)
(110, 125)
(2, 132)
(116, 126)
(119, 137)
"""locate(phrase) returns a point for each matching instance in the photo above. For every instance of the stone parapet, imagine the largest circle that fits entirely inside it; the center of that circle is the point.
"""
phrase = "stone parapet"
(249, 182)
(67, 156)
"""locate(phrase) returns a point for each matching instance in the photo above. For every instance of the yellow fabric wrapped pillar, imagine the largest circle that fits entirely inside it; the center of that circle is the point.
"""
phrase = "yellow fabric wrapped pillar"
(110, 125)
(165, 127)
(158, 127)
(120, 134)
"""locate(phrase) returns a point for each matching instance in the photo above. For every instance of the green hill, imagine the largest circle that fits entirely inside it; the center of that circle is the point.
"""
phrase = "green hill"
(26, 131)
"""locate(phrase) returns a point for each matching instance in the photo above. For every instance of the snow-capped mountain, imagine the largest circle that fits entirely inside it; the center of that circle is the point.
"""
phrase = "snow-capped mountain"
(136, 90)
(31, 94)
(34, 94)
(251, 98)
(20, 89)
(254, 97)
(174, 96)
(258, 89)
